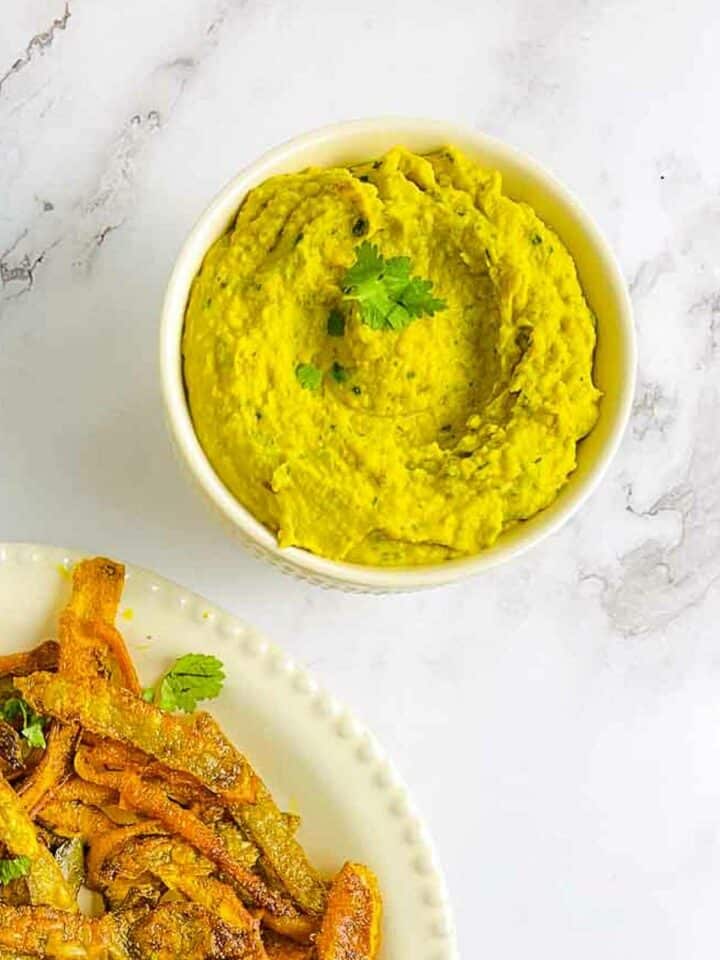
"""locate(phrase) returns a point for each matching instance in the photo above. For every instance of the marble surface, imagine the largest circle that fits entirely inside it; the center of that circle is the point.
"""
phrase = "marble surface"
(558, 719)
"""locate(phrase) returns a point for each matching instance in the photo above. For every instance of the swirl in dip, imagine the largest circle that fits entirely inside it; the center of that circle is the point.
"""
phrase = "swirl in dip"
(385, 446)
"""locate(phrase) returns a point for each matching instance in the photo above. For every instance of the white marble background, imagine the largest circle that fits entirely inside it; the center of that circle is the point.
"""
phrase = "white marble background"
(558, 720)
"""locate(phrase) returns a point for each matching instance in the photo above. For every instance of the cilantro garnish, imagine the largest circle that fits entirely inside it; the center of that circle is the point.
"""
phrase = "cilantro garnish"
(388, 297)
(309, 377)
(32, 723)
(194, 677)
(338, 372)
(335, 323)
(13, 869)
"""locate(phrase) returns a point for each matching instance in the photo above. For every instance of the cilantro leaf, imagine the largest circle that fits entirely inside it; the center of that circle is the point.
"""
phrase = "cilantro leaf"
(34, 735)
(335, 323)
(309, 377)
(397, 275)
(388, 296)
(194, 677)
(399, 317)
(13, 869)
(368, 266)
(32, 723)
(417, 298)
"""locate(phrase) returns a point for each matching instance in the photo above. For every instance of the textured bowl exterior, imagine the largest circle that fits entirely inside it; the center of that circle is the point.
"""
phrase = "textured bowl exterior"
(524, 179)
(313, 753)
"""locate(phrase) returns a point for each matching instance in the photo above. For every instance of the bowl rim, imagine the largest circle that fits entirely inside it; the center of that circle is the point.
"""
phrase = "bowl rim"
(303, 562)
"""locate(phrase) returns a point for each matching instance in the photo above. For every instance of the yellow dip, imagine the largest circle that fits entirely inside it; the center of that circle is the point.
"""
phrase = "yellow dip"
(441, 435)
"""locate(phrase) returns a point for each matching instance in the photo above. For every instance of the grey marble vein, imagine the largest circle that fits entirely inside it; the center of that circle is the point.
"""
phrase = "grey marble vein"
(106, 205)
(38, 44)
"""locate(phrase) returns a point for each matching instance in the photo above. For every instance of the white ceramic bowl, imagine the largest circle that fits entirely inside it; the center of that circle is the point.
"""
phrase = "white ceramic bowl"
(523, 179)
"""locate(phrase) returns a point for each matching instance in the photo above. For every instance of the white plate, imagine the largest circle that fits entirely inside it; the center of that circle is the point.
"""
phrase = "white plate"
(316, 758)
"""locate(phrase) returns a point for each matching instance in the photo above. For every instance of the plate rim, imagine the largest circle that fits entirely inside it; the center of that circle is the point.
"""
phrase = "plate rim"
(380, 770)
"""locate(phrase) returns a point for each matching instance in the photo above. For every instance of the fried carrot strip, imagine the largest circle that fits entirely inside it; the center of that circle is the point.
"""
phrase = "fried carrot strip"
(188, 931)
(97, 586)
(44, 657)
(45, 881)
(196, 745)
(171, 931)
(46, 884)
(120, 756)
(48, 933)
(53, 767)
(152, 800)
(98, 757)
(106, 845)
(10, 747)
(351, 926)
(264, 822)
(280, 948)
(89, 643)
(113, 640)
(72, 818)
(267, 827)
(180, 868)
(301, 929)
(74, 789)
(240, 849)
(94, 648)
(192, 743)
(81, 809)
(96, 590)
(45, 932)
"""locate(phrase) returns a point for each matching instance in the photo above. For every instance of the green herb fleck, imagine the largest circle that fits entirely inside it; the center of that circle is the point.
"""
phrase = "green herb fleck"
(32, 723)
(535, 239)
(309, 377)
(335, 323)
(338, 372)
(13, 869)
(194, 677)
(388, 297)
